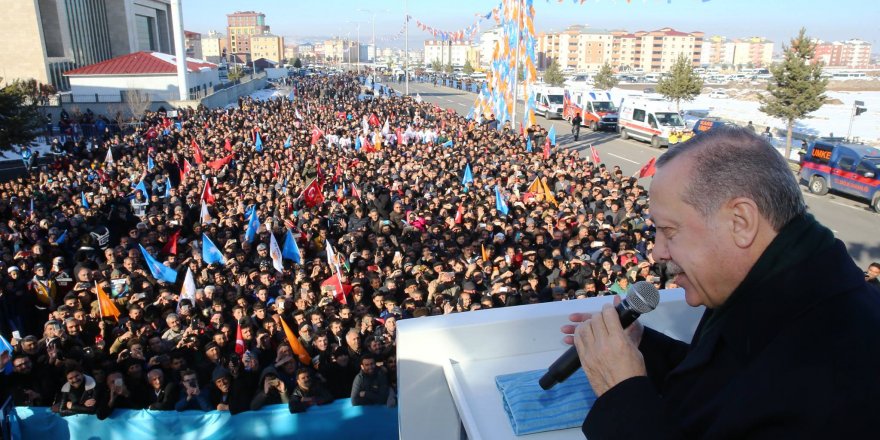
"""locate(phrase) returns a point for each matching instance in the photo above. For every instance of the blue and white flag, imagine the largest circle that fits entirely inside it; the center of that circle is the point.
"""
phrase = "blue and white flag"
(253, 225)
(500, 203)
(159, 271)
(259, 144)
(210, 253)
(85, 203)
(291, 249)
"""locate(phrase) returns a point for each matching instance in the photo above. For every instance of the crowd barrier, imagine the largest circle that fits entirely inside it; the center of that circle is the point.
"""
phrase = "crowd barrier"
(338, 420)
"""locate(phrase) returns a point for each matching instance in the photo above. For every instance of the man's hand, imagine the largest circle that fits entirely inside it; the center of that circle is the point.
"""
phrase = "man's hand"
(608, 355)
(634, 331)
(222, 407)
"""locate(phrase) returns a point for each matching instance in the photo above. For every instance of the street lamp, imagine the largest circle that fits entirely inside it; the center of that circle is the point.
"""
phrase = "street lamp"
(373, 13)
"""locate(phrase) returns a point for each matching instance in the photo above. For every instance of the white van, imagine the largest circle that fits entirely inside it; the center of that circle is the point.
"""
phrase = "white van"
(549, 101)
(651, 120)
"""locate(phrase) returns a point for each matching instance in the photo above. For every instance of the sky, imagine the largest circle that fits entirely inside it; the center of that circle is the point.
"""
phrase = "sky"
(778, 20)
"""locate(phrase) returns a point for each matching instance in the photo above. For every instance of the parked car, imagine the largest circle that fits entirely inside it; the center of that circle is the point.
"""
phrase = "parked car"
(718, 94)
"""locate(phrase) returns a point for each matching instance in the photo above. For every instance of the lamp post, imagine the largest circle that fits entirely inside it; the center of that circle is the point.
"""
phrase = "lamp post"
(406, 46)
(373, 14)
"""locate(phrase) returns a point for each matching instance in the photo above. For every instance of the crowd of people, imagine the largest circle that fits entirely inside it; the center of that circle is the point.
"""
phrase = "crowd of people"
(375, 183)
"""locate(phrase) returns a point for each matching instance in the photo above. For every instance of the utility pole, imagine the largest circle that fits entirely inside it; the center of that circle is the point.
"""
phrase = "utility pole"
(519, 23)
(406, 46)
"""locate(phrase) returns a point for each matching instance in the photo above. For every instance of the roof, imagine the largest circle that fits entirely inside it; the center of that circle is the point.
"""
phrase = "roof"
(140, 63)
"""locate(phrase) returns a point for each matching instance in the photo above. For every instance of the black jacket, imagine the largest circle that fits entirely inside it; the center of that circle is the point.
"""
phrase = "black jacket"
(796, 357)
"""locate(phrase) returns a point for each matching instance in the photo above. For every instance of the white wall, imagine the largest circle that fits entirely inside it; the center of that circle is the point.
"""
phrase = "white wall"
(159, 85)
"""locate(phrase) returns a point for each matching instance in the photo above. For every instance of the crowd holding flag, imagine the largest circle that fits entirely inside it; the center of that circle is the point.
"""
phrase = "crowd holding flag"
(291, 249)
(468, 177)
(500, 203)
(207, 194)
(594, 155)
(275, 253)
(197, 152)
(106, 307)
(648, 169)
(170, 247)
(159, 271)
(295, 345)
(188, 289)
(253, 225)
(83, 200)
(210, 253)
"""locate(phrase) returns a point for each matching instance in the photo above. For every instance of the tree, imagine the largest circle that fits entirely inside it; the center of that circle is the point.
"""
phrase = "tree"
(797, 87)
(682, 84)
(448, 68)
(20, 120)
(468, 68)
(137, 103)
(553, 75)
(605, 79)
(235, 74)
(297, 63)
(437, 66)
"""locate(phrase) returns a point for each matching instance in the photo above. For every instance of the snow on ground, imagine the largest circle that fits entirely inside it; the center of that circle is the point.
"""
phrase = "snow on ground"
(831, 118)
(267, 94)
(40, 147)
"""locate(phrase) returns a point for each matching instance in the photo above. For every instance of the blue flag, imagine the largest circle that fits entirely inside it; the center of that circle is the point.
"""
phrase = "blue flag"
(448, 144)
(253, 225)
(468, 176)
(290, 249)
(6, 347)
(210, 253)
(143, 188)
(528, 145)
(159, 271)
(287, 143)
(259, 144)
(32, 206)
(357, 143)
(85, 203)
(249, 211)
(552, 135)
(167, 188)
(500, 203)
(61, 238)
(470, 115)
(150, 163)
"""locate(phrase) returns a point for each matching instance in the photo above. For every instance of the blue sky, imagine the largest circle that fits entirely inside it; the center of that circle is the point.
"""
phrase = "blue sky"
(778, 20)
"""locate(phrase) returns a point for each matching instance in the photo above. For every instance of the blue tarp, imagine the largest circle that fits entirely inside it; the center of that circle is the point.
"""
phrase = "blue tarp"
(338, 420)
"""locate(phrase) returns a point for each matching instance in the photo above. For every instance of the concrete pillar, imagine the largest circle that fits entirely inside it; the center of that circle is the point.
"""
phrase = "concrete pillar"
(179, 48)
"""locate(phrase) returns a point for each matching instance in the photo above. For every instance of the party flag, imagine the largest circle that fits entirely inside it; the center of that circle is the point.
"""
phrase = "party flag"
(108, 158)
(167, 188)
(291, 249)
(258, 145)
(448, 144)
(239, 342)
(6, 351)
(61, 238)
(275, 253)
(150, 163)
(548, 195)
(485, 254)
(210, 253)
(295, 345)
(204, 215)
(528, 145)
(468, 176)
(83, 201)
(253, 225)
(158, 270)
(551, 135)
(143, 189)
(188, 289)
(500, 203)
(106, 307)
(288, 143)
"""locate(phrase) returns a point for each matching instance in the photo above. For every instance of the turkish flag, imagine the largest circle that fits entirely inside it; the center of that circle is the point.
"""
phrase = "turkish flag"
(354, 191)
(649, 169)
(334, 282)
(338, 173)
(151, 133)
(239, 342)
(220, 163)
(170, 247)
(547, 149)
(318, 170)
(197, 152)
(312, 194)
(595, 155)
(227, 145)
(316, 135)
(276, 170)
(374, 120)
(459, 215)
(207, 195)
(399, 133)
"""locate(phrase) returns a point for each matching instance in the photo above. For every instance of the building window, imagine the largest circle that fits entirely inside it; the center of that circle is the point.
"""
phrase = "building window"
(145, 32)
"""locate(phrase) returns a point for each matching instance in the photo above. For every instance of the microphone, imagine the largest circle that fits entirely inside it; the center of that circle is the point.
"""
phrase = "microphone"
(641, 297)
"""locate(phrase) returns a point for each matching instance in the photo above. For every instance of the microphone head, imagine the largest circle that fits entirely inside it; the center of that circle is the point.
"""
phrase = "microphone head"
(642, 297)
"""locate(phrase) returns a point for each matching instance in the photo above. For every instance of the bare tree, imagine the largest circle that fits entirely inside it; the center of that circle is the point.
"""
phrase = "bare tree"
(137, 103)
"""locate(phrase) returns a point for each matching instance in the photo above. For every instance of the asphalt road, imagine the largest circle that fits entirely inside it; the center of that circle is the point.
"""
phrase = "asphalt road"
(852, 221)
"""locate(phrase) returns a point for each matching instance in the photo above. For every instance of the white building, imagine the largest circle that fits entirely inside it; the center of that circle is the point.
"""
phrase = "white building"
(488, 40)
(446, 52)
(153, 73)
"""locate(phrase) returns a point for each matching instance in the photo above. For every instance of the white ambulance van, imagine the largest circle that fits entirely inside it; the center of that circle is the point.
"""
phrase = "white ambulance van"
(651, 120)
(549, 101)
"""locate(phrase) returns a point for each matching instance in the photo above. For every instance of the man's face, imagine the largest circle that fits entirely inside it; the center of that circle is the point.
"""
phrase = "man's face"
(303, 380)
(873, 272)
(222, 384)
(368, 366)
(22, 365)
(691, 244)
(75, 379)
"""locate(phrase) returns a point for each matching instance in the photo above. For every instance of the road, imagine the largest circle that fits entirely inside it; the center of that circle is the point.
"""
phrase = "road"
(851, 220)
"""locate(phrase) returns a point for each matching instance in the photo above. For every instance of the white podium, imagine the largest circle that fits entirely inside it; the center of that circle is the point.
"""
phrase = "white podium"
(447, 364)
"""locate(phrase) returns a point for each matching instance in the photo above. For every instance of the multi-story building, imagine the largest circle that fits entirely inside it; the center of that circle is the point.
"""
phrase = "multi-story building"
(446, 52)
(854, 54)
(240, 27)
(740, 52)
(340, 50)
(291, 52)
(214, 46)
(267, 46)
(576, 49)
(41, 39)
(488, 41)
(193, 42)
(306, 50)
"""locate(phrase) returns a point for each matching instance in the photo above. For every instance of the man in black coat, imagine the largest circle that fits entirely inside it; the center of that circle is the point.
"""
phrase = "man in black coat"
(787, 347)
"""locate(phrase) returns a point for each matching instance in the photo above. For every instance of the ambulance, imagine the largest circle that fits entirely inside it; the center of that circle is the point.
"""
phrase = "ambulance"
(595, 107)
(653, 120)
(549, 101)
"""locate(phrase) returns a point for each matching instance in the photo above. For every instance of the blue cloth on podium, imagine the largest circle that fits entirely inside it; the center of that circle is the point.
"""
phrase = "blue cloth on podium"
(532, 409)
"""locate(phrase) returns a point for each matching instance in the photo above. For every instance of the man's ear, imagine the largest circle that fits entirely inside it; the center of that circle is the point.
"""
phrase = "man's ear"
(745, 220)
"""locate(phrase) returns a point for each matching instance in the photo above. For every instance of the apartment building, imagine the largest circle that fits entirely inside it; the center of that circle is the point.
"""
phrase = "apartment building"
(267, 46)
(446, 52)
(42, 39)
(240, 27)
(853, 54)
(751, 51)
(214, 46)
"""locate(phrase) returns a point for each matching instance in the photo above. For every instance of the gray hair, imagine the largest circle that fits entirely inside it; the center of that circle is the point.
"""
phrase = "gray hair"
(732, 162)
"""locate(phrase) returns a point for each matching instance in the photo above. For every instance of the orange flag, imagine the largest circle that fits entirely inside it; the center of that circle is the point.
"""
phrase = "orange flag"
(105, 305)
(300, 351)
(485, 254)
